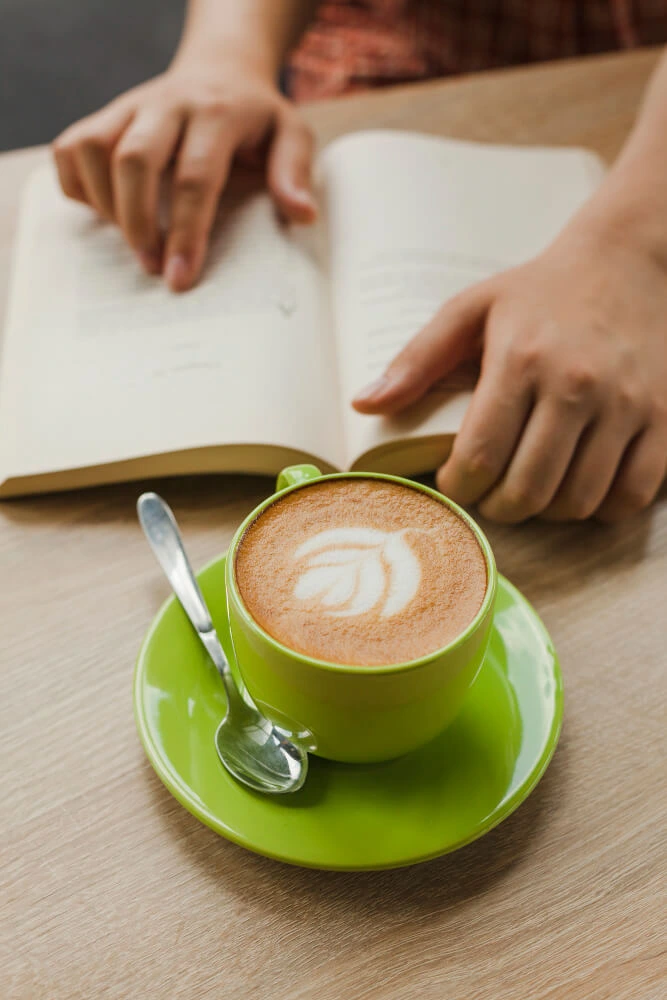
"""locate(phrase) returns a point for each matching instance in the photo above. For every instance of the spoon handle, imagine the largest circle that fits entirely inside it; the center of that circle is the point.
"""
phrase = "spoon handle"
(163, 536)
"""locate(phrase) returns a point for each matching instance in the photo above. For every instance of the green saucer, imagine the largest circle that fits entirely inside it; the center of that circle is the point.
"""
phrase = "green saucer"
(355, 817)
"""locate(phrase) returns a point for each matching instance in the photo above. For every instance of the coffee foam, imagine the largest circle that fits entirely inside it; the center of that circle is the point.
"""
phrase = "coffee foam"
(351, 571)
(361, 571)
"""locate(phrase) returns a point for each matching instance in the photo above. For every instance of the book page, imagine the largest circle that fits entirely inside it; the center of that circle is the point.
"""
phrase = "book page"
(102, 364)
(414, 220)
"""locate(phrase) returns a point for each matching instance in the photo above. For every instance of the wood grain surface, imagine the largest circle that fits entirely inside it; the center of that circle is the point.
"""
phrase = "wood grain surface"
(108, 888)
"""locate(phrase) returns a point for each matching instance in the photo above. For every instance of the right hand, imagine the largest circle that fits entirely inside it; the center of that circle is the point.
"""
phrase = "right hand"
(197, 120)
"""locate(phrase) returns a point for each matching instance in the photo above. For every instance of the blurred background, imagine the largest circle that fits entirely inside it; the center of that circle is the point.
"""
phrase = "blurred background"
(61, 59)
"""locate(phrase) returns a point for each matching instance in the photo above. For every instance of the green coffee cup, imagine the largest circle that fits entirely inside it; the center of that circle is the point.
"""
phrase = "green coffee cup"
(357, 713)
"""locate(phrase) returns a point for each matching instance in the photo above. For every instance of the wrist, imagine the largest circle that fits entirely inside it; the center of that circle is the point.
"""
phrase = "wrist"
(626, 216)
(217, 56)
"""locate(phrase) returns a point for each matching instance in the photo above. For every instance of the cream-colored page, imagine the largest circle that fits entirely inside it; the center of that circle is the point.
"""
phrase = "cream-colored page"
(412, 221)
(102, 364)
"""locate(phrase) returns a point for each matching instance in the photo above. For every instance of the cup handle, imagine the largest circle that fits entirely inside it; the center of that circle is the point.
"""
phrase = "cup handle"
(297, 475)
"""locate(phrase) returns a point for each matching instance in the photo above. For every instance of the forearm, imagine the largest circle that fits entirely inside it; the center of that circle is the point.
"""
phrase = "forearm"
(258, 31)
(633, 197)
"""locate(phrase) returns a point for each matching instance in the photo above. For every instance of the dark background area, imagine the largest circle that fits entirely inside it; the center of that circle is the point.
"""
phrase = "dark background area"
(61, 59)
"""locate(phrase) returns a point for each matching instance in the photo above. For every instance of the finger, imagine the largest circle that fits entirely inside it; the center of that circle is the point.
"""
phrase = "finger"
(639, 477)
(139, 160)
(491, 428)
(201, 172)
(289, 169)
(91, 143)
(68, 174)
(592, 470)
(452, 336)
(538, 466)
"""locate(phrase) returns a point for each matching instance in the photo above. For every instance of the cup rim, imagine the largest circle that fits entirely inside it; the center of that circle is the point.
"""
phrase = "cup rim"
(352, 668)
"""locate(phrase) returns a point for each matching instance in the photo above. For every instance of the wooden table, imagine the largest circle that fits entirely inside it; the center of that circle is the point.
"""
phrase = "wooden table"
(110, 889)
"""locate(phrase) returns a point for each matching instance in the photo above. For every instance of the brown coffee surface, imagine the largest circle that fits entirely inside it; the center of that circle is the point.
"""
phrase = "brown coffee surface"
(361, 572)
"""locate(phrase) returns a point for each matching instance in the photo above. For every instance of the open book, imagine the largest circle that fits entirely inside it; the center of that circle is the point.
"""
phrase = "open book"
(106, 375)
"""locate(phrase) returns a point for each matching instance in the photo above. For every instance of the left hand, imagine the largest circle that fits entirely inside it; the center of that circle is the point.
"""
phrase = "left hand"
(569, 417)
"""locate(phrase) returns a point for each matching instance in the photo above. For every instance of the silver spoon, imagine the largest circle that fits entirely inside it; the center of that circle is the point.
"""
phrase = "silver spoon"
(253, 750)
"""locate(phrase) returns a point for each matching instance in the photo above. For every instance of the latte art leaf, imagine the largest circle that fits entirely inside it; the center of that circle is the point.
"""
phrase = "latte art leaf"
(351, 571)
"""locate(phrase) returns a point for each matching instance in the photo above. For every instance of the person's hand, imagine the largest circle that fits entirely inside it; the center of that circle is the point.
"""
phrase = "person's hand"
(569, 417)
(197, 120)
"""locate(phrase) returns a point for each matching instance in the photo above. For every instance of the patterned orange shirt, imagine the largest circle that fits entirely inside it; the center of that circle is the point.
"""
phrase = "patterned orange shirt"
(355, 44)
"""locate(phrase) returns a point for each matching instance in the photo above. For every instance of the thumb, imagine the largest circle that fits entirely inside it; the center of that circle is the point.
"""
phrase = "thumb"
(289, 168)
(452, 336)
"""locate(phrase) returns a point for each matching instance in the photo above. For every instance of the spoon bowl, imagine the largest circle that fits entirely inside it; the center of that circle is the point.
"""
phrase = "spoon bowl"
(253, 750)
(261, 758)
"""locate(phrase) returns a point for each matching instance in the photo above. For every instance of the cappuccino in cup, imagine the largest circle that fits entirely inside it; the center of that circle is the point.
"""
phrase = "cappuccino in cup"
(363, 572)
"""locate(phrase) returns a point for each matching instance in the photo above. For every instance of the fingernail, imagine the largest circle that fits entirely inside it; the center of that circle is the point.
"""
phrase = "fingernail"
(150, 261)
(305, 200)
(373, 389)
(305, 197)
(177, 272)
